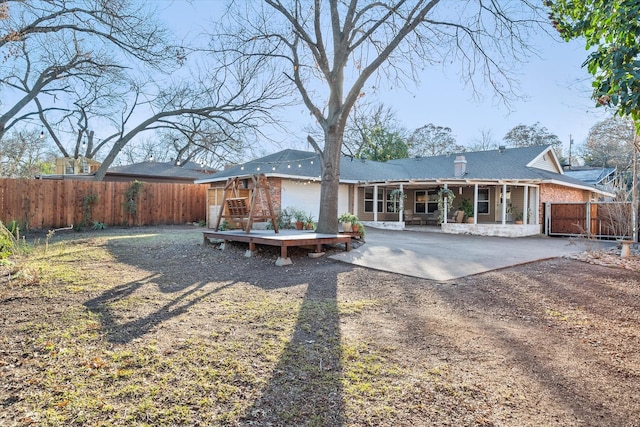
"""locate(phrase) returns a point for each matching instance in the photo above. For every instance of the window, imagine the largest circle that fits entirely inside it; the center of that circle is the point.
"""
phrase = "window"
(68, 167)
(426, 201)
(483, 200)
(368, 199)
(432, 201)
(420, 202)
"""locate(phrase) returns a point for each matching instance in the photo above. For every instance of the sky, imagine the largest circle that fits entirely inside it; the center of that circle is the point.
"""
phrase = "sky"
(554, 91)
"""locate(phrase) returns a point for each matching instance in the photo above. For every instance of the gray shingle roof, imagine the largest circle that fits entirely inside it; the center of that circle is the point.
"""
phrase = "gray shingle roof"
(190, 170)
(591, 176)
(507, 164)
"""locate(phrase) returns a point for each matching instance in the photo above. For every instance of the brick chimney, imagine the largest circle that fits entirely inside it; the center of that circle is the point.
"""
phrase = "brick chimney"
(460, 166)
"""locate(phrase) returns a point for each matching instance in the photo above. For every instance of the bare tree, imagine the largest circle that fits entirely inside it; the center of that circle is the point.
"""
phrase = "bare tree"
(484, 141)
(432, 140)
(329, 49)
(51, 47)
(24, 154)
(526, 136)
(610, 143)
(99, 74)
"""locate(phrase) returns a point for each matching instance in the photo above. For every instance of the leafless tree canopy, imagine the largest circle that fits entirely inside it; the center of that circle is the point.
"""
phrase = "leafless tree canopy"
(328, 50)
(610, 143)
(51, 48)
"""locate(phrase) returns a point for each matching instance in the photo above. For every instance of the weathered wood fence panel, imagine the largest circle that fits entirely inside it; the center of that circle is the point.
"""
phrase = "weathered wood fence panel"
(40, 204)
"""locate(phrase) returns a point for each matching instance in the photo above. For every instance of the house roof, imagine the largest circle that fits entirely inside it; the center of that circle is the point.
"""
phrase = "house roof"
(512, 164)
(590, 175)
(189, 171)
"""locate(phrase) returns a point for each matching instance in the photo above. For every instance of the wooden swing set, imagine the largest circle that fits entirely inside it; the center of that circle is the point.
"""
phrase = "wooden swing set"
(244, 209)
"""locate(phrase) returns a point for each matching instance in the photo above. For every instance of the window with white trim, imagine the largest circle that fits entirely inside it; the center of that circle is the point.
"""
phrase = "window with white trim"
(368, 199)
(483, 200)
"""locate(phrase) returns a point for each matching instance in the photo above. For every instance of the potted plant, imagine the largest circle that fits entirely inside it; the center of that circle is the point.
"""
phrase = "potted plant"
(308, 222)
(347, 219)
(299, 217)
(519, 218)
(467, 207)
(509, 212)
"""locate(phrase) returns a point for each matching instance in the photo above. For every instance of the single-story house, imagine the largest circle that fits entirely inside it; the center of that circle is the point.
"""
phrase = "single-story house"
(164, 172)
(603, 178)
(159, 172)
(502, 186)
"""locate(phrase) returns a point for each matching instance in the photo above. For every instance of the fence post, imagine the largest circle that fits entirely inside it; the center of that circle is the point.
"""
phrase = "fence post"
(547, 217)
(588, 219)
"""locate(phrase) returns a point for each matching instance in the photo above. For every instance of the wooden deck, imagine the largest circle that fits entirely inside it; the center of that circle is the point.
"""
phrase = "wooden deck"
(284, 239)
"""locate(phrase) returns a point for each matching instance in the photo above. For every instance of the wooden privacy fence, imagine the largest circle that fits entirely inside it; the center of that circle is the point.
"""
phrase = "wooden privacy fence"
(595, 219)
(43, 204)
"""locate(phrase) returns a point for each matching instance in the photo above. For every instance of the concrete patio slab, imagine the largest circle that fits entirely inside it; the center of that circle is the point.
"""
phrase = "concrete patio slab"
(441, 257)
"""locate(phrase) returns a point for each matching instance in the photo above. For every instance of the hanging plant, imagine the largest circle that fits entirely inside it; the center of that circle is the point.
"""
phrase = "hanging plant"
(397, 198)
(443, 194)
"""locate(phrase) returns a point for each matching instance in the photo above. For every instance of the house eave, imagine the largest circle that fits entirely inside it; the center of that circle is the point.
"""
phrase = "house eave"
(580, 187)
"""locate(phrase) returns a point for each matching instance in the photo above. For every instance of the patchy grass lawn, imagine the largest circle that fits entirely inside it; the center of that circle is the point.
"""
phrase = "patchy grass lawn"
(150, 327)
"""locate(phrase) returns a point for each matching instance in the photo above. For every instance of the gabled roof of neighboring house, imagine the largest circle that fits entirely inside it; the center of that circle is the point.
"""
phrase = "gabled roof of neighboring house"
(533, 164)
(591, 175)
(167, 170)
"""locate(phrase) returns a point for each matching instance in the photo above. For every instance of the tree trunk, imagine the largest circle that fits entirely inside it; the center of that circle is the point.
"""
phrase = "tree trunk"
(329, 187)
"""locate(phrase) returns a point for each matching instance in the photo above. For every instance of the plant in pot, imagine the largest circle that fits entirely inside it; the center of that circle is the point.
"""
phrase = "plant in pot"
(467, 207)
(347, 219)
(299, 217)
(308, 222)
(519, 218)
(509, 212)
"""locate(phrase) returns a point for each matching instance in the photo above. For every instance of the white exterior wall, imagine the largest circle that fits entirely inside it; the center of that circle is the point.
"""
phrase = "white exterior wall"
(545, 162)
(306, 196)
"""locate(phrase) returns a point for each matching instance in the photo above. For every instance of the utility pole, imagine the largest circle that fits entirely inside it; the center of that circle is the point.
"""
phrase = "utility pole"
(570, 146)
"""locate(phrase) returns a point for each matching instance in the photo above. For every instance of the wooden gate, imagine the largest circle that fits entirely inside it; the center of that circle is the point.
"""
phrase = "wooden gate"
(602, 220)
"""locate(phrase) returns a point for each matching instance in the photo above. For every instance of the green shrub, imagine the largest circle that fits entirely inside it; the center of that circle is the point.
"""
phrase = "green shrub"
(10, 243)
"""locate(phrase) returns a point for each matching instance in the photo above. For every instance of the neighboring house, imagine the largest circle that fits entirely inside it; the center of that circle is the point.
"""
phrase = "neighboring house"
(603, 178)
(165, 172)
(159, 172)
(501, 185)
(79, 166)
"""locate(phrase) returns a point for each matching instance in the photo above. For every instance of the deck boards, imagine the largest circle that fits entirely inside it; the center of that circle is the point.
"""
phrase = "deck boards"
(284, 239)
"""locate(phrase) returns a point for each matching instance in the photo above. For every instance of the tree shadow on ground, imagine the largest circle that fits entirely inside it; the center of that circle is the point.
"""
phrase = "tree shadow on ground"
(305, 387)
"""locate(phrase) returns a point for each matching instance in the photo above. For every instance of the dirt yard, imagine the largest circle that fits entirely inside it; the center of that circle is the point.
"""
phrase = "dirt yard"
(151, 327)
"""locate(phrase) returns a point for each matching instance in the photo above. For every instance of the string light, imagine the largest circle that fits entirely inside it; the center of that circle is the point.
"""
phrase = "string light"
(275, 165)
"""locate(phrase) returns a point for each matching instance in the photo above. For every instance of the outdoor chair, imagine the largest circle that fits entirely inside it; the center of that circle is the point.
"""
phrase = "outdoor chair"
(410, 218)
